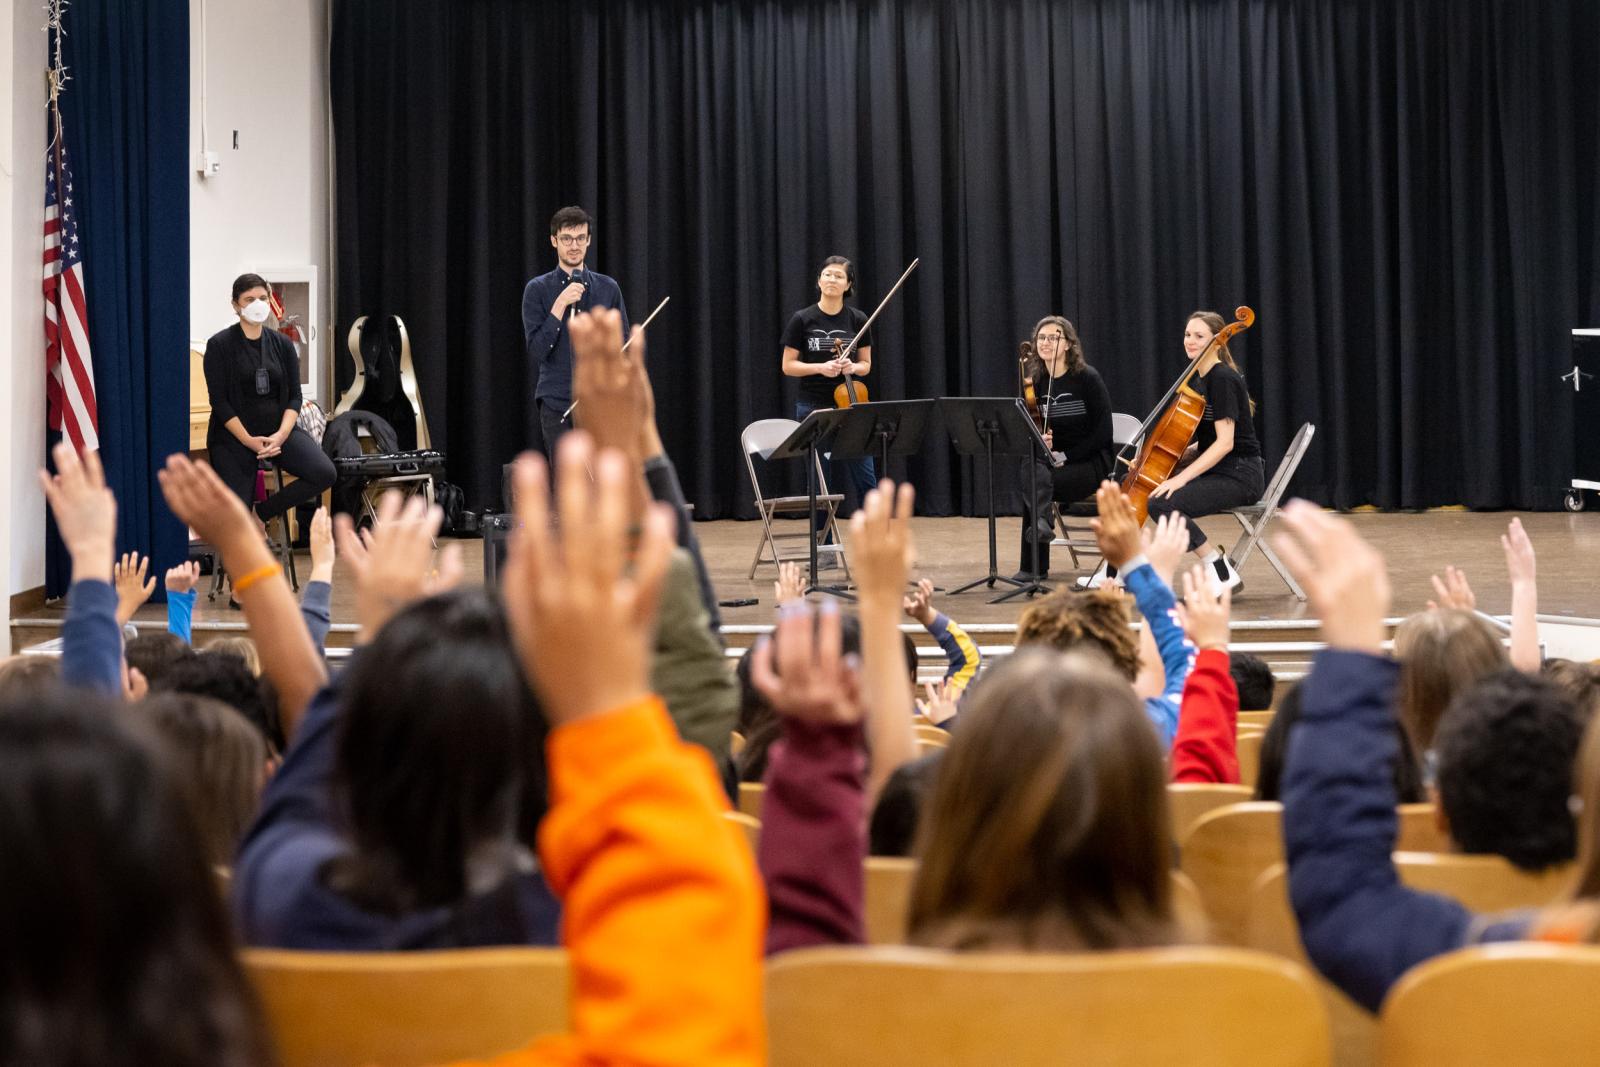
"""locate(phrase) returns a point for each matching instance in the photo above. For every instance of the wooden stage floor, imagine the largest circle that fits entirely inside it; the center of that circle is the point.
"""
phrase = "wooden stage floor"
(953, 551)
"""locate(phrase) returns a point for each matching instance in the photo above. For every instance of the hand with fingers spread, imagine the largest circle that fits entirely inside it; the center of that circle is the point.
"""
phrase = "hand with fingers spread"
(182, 578)
(1344, 577)
(938, 704)
(1204, 617)
(85, 511)
(918, 603)
(1165, 543)
(1116, 528)
(133, 587)
(1453, 591)
(323, 552)
(881, 546)
(802, 671)
(199, 498)
(583, 619)
(393, 561)
(790, 586)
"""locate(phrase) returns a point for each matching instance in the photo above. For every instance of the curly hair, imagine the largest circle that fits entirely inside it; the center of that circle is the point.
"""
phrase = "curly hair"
(1068, 620)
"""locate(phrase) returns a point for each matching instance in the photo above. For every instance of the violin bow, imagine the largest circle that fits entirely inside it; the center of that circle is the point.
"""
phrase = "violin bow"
(567, 414)
(865, 326)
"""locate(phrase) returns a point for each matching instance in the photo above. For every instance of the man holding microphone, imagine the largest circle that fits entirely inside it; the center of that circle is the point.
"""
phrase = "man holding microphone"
(547, 302)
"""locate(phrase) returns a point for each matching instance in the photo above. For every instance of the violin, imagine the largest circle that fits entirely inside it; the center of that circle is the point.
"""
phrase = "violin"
(851, 391)
(1165, 444)
(1030, 397)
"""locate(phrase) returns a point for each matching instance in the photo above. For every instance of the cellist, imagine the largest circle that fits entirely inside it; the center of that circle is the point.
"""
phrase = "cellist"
(1226, 471)
(808, 354)
(1075, 419)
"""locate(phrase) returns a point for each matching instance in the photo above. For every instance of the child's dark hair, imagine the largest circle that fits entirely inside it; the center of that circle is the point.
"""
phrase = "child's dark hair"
(1254, 680)
(226, 678)
(893, 830)
(1506, 748)
(154, 654)
(758, 723)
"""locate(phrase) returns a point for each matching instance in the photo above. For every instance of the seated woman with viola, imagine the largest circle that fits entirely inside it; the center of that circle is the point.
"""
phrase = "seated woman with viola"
(1074, 413)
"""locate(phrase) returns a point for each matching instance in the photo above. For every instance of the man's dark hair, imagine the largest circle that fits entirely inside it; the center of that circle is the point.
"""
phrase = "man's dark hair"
(1505, 748)
(570, 216)
(226, 678)
(849, 271)
(154, 654)
(1253, 678)
(893, 830)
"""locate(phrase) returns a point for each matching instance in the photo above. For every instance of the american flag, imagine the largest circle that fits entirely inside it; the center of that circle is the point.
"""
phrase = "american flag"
(69, 388)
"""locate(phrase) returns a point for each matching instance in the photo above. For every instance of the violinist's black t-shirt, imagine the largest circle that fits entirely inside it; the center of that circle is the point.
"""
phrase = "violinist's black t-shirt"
(812, 332)
(1227, 397)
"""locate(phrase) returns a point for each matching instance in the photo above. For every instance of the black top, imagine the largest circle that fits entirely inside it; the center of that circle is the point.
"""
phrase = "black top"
(1226, 398)
(1080, 411)
(812, 333)
(546, 338)
(231, 363)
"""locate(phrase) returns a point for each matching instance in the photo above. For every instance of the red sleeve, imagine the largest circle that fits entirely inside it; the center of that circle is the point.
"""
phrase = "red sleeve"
(1205, 747)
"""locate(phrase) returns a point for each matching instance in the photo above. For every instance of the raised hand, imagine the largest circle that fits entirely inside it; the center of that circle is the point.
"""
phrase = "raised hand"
(198, 497)
(1204, 617)
(881, 546)
(609, 384)
(183, 577)
(1165, 543)
(323, 552)
(1519, 554)
(1345, 578)
(790, 586)
(582, 618)
(937, 705)
(1525, 652)
(1453, 591)
(918, 603)
(85, 511)
(133, 588)
(1116, 529)
(393, 561)
(801, 670)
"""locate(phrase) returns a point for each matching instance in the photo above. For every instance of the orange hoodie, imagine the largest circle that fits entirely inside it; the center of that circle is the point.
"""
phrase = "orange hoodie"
(663, 915)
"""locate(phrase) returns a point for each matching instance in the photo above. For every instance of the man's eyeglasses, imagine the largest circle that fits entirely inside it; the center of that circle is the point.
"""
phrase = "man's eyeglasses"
(572, 240)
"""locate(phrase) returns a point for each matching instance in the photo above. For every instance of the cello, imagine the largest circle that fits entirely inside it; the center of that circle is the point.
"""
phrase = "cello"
(1179, 412)
(851, 391)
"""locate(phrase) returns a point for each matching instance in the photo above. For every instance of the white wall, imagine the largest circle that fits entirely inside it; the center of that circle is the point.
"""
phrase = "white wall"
(266, 77)
(21, 305)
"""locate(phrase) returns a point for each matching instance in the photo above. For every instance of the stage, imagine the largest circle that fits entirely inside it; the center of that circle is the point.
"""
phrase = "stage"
(953, 551)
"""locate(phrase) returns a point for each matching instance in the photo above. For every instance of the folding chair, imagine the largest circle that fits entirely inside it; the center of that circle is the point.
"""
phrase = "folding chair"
(759, 439)
(1079, 538)
(1255, 517)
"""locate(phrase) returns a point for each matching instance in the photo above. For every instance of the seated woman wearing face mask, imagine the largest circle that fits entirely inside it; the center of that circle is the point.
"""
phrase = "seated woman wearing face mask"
(253, 375)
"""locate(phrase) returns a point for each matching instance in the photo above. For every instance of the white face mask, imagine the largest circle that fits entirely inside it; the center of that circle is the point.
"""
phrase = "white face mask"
(256, 311)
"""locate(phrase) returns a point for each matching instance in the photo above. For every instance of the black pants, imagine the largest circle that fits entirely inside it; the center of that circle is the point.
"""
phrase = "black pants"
(1066, 484)
(1233, 483)
(301, 457)
(551, 427)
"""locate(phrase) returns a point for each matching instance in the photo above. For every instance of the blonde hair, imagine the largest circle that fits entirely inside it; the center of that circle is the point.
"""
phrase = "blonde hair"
(1047, 825)
(240, 648)
(1441, 652)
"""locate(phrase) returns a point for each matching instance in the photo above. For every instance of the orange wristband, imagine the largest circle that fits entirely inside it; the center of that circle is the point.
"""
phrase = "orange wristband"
(271, 570)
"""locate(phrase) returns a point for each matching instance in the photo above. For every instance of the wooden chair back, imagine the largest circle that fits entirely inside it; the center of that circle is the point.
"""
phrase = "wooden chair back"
(854, 1007)
(1188, 801)
(750, 795)
(407, 1009)
(1249, 749)
(750, 825)
(1527, 1004)
(1419, 830)
(932, 734)
(1225, 852)
(1262, 719)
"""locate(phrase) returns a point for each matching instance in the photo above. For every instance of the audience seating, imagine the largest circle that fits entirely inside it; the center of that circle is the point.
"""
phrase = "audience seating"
(1526, 1004)
(845, 1007)
(750, 794)
(407, 1008)
(932, 734)
(750, 825)
(1256, 718)
(1188, 801)
(735, 743)
(1249, 750)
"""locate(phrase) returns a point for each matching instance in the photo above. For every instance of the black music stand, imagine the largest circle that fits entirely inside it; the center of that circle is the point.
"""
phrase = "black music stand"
(997, 426)
(882, 428)
(807, 440)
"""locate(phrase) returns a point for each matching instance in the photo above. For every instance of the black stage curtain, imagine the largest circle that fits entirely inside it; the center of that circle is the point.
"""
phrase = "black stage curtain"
(1405, 191)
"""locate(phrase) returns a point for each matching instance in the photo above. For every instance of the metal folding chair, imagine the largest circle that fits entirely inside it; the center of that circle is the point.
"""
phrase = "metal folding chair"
(759, 439)
(1255, 517)
(1079, 539)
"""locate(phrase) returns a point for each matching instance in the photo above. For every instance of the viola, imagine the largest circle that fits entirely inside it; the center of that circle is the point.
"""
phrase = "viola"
(1030, 396)
(1180, 413)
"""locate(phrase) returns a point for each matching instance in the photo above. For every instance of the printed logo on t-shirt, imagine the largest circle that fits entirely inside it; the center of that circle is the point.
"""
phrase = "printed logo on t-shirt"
(1066, 406)
(822, 341)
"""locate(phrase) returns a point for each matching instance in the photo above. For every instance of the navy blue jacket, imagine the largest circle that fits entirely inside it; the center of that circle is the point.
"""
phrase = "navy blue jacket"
(1360, 926)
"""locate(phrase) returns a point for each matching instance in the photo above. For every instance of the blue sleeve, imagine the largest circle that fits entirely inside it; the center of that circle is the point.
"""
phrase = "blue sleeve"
(180, 614)
(298, 791)
(539, 328)
(960, 654)
(91, 640)
(316, 609)
(1156, 603)
(1360, 926)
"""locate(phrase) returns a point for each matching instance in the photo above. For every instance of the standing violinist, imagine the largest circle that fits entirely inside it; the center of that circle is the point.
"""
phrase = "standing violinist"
(1226, 471)
(809, 354)
(1075, 416)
